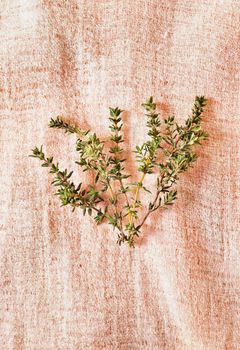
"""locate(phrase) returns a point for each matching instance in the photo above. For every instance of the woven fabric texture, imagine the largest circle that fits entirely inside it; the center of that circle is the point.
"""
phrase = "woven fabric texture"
(65, 283)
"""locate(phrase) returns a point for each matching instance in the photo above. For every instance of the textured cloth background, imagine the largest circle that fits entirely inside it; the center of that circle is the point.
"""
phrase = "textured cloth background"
(65, 283)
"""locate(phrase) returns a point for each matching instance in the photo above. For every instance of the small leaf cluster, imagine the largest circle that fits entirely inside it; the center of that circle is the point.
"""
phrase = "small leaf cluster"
(168, 152)
(146, 154)
(58, 123)
(68, 193)
(116, 159)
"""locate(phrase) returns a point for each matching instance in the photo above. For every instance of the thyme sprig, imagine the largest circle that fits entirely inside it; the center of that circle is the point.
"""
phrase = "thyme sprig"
(168, 152)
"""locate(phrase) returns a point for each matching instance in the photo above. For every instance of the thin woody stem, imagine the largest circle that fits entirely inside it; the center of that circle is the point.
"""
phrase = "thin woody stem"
(125, 194)
(149, 211)
(154, 202)
(136, 197)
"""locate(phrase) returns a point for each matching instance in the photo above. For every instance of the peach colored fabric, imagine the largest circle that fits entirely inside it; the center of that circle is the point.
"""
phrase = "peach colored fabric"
(65, 284)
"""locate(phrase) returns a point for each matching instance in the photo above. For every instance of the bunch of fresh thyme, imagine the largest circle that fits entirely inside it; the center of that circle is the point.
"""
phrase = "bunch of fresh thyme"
(168, 152)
